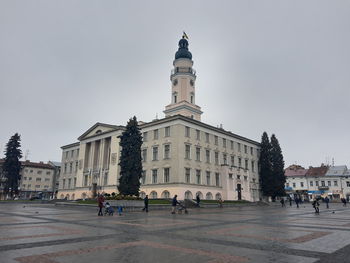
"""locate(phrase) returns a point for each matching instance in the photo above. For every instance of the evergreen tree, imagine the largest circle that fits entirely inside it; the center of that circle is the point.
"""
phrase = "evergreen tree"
(12, 165)
(130, 159)
(265, 166)
(277, 165)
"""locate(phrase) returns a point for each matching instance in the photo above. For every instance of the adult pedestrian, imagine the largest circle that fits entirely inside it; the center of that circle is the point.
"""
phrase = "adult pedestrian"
(100, 200)
(282, 202)
(173, 204)
(220, 201)
(297, 201)
(198, 199)
(327, 201)
(146, 204)
(316, 205)
(290, 201)
(343, 201)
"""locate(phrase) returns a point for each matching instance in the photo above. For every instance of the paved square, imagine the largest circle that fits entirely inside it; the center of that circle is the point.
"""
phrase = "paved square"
(44, 233)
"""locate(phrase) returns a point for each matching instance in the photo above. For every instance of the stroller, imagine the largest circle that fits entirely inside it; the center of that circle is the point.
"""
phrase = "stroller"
(108, 209)
(181, 209)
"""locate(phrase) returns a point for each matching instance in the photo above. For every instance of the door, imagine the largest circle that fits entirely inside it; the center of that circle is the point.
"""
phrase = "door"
(239, 191)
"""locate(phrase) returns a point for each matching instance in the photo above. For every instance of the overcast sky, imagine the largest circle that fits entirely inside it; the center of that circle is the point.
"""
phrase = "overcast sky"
(276, 66)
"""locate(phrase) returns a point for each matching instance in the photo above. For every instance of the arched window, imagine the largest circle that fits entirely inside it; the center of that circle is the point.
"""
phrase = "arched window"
(200, 194)
(142, 194)
(153, 195)
(83, 196)
(73, 196)
(209, 196)
(188, 195)
(165, 194)
(62, 196)
(217, 196)
(67, 196)
(175, 97)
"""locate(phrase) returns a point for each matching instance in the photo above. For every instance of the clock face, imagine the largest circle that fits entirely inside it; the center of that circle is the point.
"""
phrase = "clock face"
(191, 82)
(175, 82)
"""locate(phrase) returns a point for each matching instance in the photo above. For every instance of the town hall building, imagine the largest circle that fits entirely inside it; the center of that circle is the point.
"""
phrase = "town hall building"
(181, 155)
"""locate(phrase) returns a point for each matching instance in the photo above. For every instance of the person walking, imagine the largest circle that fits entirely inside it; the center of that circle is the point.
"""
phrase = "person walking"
(173, 204)
(327, 201)
(297, 201)
(343, 201)
(220, 201)
(198, 199)
(146, 204)
(316, 205)
(282, 202)
(290, 201)
(100, 200)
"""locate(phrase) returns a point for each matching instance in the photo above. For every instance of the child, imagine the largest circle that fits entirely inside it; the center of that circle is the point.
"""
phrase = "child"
(120, 210)
(109, 210)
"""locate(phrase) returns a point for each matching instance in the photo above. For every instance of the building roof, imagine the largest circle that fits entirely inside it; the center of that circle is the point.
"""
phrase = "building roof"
(336, 170)
(317, 171)
(57, 164)
(295, 171)
(183, 51)
(43, 165)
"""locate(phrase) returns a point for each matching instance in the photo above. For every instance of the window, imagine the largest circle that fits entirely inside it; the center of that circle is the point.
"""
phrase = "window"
(86, 178)
(166, 151)
(217, 179)
(191, 98)
(66, 154)
(144, 155)
(323, 183)
(208, 178)
(232, 160)
(69, 183)
(251, 150)
(166, 175)
(47, 179)
(187, 151)
(231, 145)
(29, 178)
(329, 183)
(24, 178)
(335, 183)
(143, 178)
(207, 137)
(216, 139)
(72, 153)
(39, 172)
(240, 162)
(175, 99)
(316, 183)
(167, 131)
(207, 156)
(154, 176)
(347, 184)
(26, 170)
(24, 186)
(198, 154)
(301, 184)
(223, 142)
(29, 186)
(31, 171)
(187, 132)
(253, 166)
(239, 146)
(38, 180)
(246, 164)
(198, 135)
(76, 166)
(48, 173)
(77, 152)
(188, 175)
(46, 187)
(198, 176)
(105, 178)
(311, 183)
(224, 157)
(216, 158)
(155, 134)
(238, 177)
(70, 167)
(294, 185)
(145, 136)
(245, 178)
(37, 186)
(63, 183)
(230, 176)
(245, 149)
(75, 182)
(155, 153)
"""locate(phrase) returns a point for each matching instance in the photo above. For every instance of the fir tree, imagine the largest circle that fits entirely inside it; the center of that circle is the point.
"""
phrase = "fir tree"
(130, 159)
(265, 166)
(277, 167)
(12, 165)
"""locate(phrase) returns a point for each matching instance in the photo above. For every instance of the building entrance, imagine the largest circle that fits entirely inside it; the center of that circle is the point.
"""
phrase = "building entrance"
(239, 191)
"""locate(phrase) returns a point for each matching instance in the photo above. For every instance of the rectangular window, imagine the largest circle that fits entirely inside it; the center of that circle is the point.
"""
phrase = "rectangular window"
(316, 183)
(76, 166)
(24, 178)
(216, 140)
(155, 153)
(198, 176)
(167, 131)
(70, 167)
(216, 158)
(155, 134)
(48, 173)
(239, 146)
(47, 179)
(231, 145)
(223, 142)
(207, 137)
(63, 183)
(251, 150)
(240, 162)
(39, 172)
(207, 156)
(72, 154)
(77, 153)
(187, 151)
(198, 135)
(198, 154)
(154, 176)
(69, 183)
(166, 175)
(253, 166)
(293, 184)
(311, 183)
(208, 178)
(232, 160)
(145, 136)
(144, 155)
(246, 164)
(188, 175)
(347, 184)
(30, 178)
(166, 151)
(245, 149)
(37, 186)
(38, 180)
(75, 182)
(323, 183)
(187, 132)
(143, 178)
(31, 171)
(86, 180)
(29, 186)
(217, 179)
(224, 156)
(301, 184)
(66, 154)
(335, 183)
(329, 183)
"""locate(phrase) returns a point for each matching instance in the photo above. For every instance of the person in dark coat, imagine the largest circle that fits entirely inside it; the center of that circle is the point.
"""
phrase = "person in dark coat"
(146, 204)
(100, 200)
(174, 202)
(282, 202)
(343, 201)
(297, 201)
(327, 201)
(198, 199)
(290, 201)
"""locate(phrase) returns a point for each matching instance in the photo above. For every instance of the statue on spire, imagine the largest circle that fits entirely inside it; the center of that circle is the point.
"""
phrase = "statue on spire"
(184, 35)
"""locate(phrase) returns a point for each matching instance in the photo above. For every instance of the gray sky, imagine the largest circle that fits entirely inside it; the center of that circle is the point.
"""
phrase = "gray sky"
(275, 66)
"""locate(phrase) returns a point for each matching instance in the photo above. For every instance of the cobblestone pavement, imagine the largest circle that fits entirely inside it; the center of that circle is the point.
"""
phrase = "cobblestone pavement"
(50, 234)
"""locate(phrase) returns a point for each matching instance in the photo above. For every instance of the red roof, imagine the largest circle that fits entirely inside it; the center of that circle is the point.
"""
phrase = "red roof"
(317, 171)
(295, 170)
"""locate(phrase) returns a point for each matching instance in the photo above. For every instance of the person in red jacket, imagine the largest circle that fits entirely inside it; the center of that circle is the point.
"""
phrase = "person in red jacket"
(100, 200)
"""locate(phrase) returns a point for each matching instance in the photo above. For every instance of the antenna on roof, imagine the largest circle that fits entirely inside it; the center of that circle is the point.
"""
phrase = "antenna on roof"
(332, 161)
(26, 155)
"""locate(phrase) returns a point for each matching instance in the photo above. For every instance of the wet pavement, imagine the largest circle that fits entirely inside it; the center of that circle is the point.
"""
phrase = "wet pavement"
(44, 233)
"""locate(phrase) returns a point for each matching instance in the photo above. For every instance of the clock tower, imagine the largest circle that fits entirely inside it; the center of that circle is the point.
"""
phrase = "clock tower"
(183, 79)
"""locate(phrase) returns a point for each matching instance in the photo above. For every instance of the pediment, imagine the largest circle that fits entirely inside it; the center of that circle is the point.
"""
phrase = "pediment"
(96, 129)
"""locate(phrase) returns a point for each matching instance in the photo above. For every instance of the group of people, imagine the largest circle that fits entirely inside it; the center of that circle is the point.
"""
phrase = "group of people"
(297, 201)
